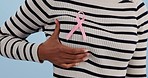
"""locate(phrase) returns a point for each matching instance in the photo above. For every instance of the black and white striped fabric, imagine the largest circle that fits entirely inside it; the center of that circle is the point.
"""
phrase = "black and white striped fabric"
(116, 32)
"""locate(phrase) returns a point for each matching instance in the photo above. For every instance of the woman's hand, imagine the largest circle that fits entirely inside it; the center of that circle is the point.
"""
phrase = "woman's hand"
(57, 53)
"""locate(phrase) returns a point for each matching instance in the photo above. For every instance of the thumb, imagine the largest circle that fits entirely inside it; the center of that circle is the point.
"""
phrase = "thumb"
(56, 32)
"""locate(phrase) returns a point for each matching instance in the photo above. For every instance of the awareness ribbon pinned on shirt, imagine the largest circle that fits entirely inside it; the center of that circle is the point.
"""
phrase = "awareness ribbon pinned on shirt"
(79, 25)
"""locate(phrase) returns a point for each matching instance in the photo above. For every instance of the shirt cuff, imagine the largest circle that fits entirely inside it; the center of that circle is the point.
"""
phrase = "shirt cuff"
(35, 53)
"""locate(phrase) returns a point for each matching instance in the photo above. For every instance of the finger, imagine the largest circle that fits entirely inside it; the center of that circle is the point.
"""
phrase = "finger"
(74, 57)
(79, 51)
(57, 30)
(69, 65)
(74, 51)
(69, 61)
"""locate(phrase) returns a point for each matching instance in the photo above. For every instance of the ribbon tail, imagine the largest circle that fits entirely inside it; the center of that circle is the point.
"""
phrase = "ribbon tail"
(72, 31)
(83, 32)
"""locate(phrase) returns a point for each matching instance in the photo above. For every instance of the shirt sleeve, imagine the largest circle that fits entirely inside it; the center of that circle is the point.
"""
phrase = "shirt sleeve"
(137, 65)
(28, 19)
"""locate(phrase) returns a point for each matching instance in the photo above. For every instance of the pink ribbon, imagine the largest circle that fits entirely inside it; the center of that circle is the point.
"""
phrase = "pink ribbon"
(79, 25)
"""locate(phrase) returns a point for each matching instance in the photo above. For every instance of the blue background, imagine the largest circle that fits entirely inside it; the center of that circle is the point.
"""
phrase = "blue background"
(10, 68)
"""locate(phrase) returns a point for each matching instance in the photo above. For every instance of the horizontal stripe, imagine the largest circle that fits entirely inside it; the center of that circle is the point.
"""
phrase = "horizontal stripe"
(18, 54)
(0, 53)
(27, 17)
(139, 58)
(142, 40)
(59, 76)
(34, 13)
(41, 8)
(90, 72)
(31, 52)
(145, 32)
(105, 66)
(143, 23)
(99, 28)
(111, 58)
(5, 48)
(97, 7)
(137, 66)
(96, 46)
(11, 31)
(4, 42)
(24, 51)
(25, 24)
(3, 33)
(136, 75)
(140, 6)
(17, 27)
(97, 23)
(89, 14)
(97, 36)
(125, 1)
(3, 38)
(12, 47)
(141, 49)
(142, 15)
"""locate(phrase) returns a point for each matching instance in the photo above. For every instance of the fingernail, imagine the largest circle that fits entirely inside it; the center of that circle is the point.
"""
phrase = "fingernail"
(86, 50)
(88, 54)
(85, 59)
(76, 64)
(55, 20)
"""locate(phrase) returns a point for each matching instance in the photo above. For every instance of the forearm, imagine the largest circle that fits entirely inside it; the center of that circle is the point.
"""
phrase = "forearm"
(16, 48)
(16, 29)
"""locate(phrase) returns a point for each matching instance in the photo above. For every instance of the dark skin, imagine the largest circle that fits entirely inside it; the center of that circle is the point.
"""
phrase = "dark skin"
(61, 55)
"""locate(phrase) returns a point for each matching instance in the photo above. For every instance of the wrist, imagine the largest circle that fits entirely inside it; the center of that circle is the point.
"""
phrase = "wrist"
(40, 53)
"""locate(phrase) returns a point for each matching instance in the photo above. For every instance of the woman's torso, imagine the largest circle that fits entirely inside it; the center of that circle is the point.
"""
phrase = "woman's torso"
(111, 32)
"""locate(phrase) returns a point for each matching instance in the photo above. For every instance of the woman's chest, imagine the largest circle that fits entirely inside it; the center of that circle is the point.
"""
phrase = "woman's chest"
(104, 24)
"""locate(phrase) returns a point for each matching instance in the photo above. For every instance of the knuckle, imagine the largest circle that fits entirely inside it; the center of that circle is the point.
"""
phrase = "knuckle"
(84, 55)
(65, 66)
(61, 65)
(78, 56)
(60, 48)
(75, 61)
(74, 57)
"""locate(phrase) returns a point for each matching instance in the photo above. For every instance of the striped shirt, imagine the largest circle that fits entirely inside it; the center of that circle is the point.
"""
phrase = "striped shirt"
(116, 32)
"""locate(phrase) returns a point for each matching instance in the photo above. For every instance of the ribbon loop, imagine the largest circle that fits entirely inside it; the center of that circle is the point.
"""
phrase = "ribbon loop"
(79, 25)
